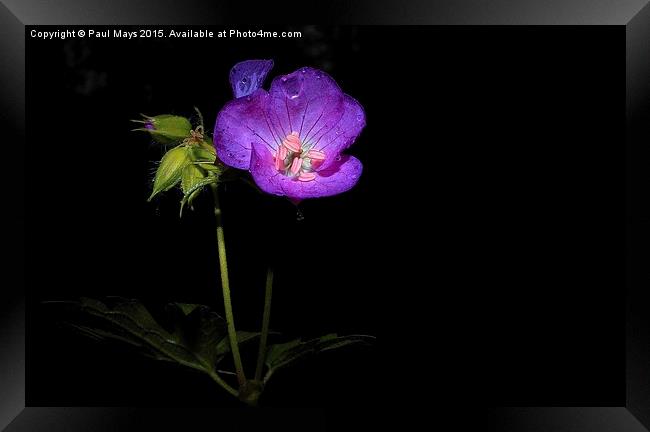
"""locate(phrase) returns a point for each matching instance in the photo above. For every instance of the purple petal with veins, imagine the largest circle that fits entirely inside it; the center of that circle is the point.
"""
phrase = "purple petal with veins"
(239, 123)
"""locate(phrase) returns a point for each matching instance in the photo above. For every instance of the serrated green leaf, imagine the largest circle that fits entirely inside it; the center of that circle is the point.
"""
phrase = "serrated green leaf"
(101, 335)
(281, 355)
(201, 330)
(170, 169)
(186, 308)
(192, 337)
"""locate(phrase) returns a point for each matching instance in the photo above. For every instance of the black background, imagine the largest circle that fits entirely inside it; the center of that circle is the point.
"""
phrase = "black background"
(481, 245)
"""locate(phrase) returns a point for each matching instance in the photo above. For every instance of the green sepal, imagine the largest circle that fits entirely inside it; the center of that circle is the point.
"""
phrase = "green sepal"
(207, 145)
(192, 192)
(170, 170)
(192, 174)
(203, 154)
(202, 172)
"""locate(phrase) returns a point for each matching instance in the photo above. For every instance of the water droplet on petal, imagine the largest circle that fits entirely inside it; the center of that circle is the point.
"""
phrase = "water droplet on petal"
(338, 158)
(292, 86)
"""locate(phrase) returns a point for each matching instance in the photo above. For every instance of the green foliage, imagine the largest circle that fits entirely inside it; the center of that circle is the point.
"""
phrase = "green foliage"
(193, 336)
(189, 335)
(284, 354)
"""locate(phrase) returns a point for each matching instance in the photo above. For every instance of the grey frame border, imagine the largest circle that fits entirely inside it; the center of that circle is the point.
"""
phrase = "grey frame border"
(633, 14)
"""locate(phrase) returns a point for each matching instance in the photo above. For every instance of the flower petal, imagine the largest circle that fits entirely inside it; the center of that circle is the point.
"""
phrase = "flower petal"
(307, 101)
(240, 123)
(248, 76)
(343, 135)
(341, 176)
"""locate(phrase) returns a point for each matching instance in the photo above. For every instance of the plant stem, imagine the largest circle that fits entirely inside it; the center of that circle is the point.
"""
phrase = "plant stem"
(266, 317)
(224, 384)
(225, 286)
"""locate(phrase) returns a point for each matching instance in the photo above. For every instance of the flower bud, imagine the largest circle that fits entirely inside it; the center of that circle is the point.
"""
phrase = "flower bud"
(166, 128)
(192, 175)
(193, 180)
(170, 169)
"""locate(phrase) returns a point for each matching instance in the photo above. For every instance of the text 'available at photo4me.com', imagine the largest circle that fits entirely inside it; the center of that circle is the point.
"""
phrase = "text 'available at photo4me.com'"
(173, 33)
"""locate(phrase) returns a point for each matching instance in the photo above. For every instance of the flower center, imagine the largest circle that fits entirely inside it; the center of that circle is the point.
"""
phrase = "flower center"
(296, 159)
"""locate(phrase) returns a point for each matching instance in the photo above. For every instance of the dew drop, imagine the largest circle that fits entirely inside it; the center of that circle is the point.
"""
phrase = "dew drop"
(244, 80)
(292, 86)
(338, 158)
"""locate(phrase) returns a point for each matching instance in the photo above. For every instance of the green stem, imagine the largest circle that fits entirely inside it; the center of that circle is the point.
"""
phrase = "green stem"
(225, 286)
(266, 317)
(224, 384)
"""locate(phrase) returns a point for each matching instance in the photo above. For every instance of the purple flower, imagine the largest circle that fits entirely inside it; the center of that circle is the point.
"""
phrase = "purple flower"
(291, 138)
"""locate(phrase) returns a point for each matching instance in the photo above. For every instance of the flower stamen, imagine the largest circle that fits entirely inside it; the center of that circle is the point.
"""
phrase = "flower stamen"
(297, 160)
(295, 166)
(292, 142)
(316, 155)
(279, 163)
(306, 176)
(282, 152)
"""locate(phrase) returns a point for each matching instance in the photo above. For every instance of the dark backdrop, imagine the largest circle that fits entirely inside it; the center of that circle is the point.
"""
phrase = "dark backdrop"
(482, 245)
